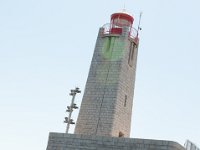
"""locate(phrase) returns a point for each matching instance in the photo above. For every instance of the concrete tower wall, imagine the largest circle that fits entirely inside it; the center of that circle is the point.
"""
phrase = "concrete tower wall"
(107, 102)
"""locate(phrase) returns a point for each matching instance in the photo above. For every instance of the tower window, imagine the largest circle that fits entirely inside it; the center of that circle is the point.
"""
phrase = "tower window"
(125, 100)
(121, 134)
(131, 54)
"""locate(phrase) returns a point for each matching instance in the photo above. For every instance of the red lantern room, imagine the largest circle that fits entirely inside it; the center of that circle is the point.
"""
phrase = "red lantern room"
(122, 19)
(119, 20)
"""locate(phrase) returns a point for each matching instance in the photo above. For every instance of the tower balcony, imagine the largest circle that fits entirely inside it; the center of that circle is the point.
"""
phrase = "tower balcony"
(113, 30)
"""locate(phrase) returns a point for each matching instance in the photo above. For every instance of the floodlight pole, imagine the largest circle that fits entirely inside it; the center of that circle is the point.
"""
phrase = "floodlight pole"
(68, 119)
(70, 113)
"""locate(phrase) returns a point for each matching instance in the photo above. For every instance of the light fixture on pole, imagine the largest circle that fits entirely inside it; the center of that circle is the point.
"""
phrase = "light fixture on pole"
(70, 108)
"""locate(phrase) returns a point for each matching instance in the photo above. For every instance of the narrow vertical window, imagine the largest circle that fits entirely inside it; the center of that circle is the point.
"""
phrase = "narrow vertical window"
(125, 101)
(121, 134)
(131, 54)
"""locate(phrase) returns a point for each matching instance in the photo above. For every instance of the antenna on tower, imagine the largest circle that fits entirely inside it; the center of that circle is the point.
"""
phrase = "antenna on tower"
(124, 9)
(139, 27)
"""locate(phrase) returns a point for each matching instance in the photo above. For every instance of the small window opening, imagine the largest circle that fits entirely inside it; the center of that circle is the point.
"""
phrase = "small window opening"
(131, 54)
(125, 101)
(121, 134)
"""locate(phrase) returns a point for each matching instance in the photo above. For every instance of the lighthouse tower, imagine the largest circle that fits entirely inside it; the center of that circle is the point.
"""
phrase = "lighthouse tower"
(105, 113)
(108, 97)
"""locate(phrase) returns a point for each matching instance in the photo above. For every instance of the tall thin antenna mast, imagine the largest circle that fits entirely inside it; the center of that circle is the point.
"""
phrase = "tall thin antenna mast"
(124, 9)
(139, 28)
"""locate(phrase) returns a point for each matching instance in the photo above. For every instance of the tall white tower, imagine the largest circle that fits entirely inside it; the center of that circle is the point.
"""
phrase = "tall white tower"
(108, 98)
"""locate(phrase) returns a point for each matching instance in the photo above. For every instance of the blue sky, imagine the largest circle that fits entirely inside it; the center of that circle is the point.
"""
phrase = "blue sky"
(46, 48)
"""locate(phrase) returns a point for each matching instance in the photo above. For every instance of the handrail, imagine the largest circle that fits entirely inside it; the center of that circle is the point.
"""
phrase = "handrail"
(107, 30)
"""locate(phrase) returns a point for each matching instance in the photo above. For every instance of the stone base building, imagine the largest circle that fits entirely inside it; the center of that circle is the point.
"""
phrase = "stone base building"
(64, 141)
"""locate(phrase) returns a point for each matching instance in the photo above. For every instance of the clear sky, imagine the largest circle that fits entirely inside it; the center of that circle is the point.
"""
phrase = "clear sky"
(46, 47)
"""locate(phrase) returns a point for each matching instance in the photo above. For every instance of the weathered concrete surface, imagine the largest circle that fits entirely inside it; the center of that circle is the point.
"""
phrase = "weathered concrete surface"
(63, 141)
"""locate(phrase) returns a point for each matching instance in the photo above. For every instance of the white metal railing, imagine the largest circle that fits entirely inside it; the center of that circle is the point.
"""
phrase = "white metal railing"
(107, 30)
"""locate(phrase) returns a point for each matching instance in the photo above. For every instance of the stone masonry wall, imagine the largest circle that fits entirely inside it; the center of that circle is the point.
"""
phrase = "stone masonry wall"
(63, 141)
(97, 107)
(107, 102)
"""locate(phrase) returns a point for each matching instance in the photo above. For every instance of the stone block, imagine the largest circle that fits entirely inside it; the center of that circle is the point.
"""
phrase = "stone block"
(63, 141)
